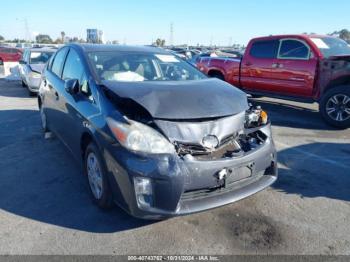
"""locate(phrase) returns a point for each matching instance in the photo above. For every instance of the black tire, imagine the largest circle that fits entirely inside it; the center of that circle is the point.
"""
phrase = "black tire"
(43, 119)
(327, 103)
(31, 94)
(256, 96)
(105, 201)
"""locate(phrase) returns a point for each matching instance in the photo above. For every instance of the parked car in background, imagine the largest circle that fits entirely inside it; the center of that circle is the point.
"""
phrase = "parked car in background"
(196, 58)
(154, 134)
(31, 66)
(23, 45)
(307, 68)
(230, 53)
(9, 54)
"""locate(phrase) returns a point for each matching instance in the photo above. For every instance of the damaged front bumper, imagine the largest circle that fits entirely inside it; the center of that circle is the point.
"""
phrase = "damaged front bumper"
(184, 184)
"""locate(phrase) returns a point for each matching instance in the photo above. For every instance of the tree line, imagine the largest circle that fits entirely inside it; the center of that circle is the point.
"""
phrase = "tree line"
(46, 39)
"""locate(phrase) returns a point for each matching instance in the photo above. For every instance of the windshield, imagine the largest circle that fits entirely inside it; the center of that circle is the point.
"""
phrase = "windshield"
(39, 57)
(330, 46)
(134, 66)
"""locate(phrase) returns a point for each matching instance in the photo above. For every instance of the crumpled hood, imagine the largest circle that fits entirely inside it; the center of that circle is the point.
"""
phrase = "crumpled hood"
(207, 98)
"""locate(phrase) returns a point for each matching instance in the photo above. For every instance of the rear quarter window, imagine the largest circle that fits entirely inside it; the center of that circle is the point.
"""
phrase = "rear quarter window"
(264, 49)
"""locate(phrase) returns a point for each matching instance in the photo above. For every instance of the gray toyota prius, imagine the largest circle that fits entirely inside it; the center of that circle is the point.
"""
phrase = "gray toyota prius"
(152, 133)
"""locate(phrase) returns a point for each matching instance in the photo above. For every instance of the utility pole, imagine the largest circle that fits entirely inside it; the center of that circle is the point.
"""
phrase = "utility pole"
(26, 28)
(171, 38)
(230, 41)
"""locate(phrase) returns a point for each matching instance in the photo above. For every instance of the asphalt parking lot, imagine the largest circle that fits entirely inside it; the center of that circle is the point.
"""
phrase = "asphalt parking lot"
(45, 207)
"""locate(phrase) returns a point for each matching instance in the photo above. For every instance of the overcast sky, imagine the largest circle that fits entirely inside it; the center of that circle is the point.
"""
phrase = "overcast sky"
(141, 21)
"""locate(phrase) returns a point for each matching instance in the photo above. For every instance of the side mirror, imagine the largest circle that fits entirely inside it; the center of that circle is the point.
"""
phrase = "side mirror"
(22, 62)
(72, 86)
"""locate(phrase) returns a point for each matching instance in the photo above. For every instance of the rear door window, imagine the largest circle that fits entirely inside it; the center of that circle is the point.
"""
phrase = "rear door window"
(58, 62)
(264, 49)
(293, 49)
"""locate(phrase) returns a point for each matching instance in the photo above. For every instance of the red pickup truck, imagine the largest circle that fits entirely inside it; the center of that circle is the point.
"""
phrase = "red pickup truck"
(307, 68)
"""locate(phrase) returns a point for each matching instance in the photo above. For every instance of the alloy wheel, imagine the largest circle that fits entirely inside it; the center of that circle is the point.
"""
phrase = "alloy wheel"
(94, 175)
(338, 107)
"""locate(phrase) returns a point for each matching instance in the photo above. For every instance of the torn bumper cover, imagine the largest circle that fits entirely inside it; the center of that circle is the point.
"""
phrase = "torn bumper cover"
(165, 185)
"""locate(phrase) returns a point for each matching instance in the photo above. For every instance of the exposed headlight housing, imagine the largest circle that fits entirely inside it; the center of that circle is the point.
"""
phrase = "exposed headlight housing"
(139, 137)
(255, 117)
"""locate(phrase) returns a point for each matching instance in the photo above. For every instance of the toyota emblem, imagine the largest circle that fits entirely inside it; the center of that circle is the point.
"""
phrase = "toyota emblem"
(210, 142)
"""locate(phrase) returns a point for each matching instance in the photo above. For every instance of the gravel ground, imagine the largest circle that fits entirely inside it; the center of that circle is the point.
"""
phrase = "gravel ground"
(45, 207)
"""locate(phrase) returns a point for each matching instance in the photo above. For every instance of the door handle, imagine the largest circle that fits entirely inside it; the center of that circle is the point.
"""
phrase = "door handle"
(277, 65)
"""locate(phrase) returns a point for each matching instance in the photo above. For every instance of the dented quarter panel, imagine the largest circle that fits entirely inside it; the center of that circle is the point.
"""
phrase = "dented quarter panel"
(333, 69)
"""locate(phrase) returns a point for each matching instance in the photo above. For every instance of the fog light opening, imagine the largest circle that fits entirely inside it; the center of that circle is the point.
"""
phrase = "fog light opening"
(143, 192)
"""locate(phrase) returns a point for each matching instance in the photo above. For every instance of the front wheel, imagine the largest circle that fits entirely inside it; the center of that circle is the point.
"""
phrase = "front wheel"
(97, 177)
(335, 107)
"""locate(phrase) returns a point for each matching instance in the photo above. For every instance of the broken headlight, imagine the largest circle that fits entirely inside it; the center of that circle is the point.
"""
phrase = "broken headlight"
(255, 117)
(139, 137)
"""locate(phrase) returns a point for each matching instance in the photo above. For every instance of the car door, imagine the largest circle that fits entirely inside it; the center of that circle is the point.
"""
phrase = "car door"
(77, 108)
(257, 65)
(53, 86)
(296, 67)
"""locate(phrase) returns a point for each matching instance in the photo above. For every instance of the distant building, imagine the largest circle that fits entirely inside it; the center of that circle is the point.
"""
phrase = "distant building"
(94, 36)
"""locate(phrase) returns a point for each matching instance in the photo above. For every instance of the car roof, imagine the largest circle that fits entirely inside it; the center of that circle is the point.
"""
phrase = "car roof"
(42, 49)
(302, 36)
(120, 48)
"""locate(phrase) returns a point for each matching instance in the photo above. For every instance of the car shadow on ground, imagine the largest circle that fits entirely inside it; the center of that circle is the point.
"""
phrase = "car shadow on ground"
(315, 170)
(295, 116)
(11, 88)
(40, 180)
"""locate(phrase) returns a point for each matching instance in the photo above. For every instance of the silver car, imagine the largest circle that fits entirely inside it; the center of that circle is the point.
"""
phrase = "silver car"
(31, 65)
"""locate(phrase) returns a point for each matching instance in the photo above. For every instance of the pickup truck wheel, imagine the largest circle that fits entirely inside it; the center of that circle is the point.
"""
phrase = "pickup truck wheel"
(335, 107)
(95, 171)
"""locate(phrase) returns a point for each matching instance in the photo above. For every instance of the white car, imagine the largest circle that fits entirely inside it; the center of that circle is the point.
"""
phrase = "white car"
(31, 65)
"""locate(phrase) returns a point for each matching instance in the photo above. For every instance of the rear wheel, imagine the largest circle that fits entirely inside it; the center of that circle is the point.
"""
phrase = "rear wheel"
(335, 107)
(43, 120)
(30, 93)
(97, 177)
